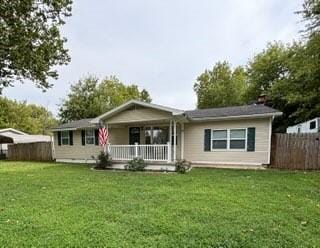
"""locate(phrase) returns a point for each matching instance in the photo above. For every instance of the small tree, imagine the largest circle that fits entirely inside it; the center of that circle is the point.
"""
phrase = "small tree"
(103, 160)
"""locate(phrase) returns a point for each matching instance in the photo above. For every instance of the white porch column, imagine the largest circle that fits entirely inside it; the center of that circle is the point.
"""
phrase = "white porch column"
(106, 148)
(170, 139)
(182, 140)
(174, 141)
(169, 151)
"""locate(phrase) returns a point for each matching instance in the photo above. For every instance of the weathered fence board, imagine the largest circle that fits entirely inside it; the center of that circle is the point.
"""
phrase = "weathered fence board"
(295, 151)
(40, 151)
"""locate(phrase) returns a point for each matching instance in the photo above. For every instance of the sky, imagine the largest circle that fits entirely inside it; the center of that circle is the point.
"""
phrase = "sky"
(163, 45)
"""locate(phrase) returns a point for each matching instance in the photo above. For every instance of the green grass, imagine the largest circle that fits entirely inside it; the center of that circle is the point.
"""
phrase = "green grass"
(44, 204)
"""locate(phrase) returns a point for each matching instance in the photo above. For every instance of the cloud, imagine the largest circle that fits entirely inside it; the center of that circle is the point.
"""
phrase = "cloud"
(163, 45)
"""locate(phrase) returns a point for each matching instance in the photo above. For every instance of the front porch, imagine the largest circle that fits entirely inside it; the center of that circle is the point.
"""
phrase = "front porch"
(145, 130)
(158, 142)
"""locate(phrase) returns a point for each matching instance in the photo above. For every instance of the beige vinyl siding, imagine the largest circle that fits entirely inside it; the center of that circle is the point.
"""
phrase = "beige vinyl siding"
(194, 142)
(138, 115)
(119, 136)
(78, 151)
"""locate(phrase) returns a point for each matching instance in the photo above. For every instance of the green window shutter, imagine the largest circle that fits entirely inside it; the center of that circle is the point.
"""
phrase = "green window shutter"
(251, 139)
(207, 140)
(71, 138)
(59, 138)
(96, 136)
(83, 137)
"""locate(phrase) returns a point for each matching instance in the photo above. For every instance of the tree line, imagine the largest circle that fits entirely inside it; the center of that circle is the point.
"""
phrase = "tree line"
(29, 118)
(288, 74)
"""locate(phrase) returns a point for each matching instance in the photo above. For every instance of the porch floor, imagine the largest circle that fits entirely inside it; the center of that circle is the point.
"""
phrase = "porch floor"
(150, 166)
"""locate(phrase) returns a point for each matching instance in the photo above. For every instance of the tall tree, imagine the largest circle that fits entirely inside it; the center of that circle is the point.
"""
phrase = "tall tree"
(265, 69)
(30, 41)
(82, 101)
(89, 98)
(289, 75)
(299, 91)
(221, 86)
(29, 118)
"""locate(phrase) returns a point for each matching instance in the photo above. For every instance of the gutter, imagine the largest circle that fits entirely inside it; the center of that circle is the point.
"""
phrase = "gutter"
(234, 117)
(62, 129)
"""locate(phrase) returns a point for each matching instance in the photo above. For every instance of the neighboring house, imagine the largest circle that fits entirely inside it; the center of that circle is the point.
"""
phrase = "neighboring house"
(232, 135)
(311, 126)
(12, 136)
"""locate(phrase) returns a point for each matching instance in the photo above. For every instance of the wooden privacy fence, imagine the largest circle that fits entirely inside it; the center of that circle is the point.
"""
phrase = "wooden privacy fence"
(40, 151)
(295, 151)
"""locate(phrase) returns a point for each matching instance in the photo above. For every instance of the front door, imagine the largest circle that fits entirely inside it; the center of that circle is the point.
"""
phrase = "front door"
(134, 135)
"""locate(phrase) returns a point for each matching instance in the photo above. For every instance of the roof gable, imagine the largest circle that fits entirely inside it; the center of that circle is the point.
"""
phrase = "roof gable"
(138, 114)
(133, 103)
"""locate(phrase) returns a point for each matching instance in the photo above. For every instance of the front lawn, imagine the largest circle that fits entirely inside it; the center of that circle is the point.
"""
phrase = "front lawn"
(44, 204)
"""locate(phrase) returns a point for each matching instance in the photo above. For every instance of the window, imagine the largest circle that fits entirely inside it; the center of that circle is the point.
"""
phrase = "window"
(156, 135)
(90, 137)
(160, 135)
(219, 139)
(312, 125)
(65, 137)
(237, 138)
(229, 139)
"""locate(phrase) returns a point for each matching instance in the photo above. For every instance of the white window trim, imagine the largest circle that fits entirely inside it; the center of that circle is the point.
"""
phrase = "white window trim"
(85, 137)
(68, 136)
(229, 139)
(245, 139)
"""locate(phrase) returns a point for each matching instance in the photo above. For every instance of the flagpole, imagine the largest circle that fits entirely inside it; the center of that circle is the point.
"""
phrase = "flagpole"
(104, 137)
(107, 145)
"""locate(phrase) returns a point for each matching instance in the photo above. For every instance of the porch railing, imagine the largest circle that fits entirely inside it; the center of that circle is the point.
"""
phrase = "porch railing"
(146, 152)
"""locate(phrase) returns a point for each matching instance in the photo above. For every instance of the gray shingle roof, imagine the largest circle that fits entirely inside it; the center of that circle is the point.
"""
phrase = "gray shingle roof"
(230, 111)
(83, 123)
(236, 111)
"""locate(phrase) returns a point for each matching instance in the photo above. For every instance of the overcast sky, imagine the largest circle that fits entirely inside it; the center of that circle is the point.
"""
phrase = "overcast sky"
(163, 45)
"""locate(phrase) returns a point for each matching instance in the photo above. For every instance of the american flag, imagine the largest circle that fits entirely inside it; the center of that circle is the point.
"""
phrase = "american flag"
(103, 136)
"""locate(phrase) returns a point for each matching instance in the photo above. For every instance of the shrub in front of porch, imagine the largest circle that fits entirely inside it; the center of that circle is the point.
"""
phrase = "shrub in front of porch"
(103, 161)
(136, 164)
(182, 166)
